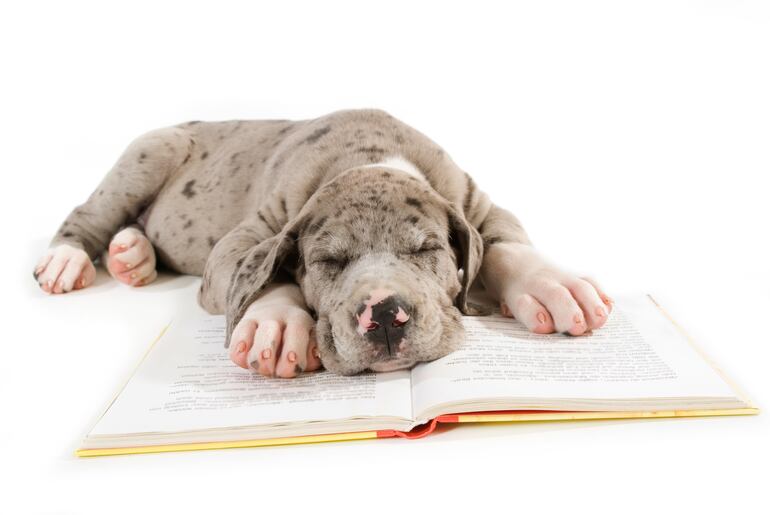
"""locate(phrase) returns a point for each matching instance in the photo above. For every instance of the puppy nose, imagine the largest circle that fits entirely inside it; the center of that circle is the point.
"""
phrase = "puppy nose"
(384, 322)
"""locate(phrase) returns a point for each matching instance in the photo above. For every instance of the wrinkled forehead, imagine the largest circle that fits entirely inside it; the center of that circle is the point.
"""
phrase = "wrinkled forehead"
(373, 207)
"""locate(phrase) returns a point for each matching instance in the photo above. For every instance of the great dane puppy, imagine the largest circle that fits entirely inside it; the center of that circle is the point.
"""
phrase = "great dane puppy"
(348, 241)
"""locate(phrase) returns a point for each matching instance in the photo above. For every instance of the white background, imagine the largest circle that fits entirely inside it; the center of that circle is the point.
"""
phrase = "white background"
(630, 138)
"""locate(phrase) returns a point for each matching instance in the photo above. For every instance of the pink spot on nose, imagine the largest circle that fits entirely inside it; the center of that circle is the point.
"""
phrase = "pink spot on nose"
(401, 317)
(365, 322)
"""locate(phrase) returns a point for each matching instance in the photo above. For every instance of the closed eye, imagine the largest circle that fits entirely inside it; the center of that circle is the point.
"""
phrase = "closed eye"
(427, 248)
(339, 262)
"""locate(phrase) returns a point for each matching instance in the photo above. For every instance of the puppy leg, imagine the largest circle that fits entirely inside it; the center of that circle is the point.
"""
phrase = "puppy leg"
(128, 188)
(275, 337)
(130, 258)
(540, 295)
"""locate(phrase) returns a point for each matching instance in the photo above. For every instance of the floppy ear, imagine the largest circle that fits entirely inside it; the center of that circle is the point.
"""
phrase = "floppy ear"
(471, 251)
(256, 270)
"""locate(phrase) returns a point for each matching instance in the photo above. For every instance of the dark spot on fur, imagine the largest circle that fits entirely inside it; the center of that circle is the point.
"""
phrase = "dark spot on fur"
(492, 240)
(372, 149)
(211, 241)
(157, 235)
(413, 220)
(187, 158)
(379, 133)
(413, 202)
(190, 240)
(248, 187)
(188, 224)
(399, 139)
(349, 144)
(194, 122)
(386, 174)
(204, 155)
(239, 262)
(67, 234)
(317, 134)
(283, 206)
(284, 130)
(188, 190)
(101, 192)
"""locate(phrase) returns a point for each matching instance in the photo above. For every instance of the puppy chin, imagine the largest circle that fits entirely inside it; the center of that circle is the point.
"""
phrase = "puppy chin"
(392, 364)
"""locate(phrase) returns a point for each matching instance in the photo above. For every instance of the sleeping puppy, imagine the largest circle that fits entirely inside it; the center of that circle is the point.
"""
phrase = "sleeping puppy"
(349, 241)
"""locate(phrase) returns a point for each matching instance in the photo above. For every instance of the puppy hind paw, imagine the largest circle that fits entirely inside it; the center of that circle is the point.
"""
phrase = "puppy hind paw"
(131, 258)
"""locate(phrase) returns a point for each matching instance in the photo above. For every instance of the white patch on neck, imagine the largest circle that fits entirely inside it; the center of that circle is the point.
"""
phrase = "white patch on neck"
(398, 163)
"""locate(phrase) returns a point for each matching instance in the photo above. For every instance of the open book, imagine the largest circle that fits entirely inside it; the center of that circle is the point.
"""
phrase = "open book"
(186, 394)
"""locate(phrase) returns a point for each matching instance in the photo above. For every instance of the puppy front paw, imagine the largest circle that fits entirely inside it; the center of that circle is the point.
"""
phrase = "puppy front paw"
(64, 268)
(275, 340)
(548, 300)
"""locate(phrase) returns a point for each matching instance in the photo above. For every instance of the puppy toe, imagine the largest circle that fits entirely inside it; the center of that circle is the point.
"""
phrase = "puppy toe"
(263, 354)
(241, 342)
(606, 300)
(86, 278)
(567, 315)
(293, 359)
(49, 278)
(532, 314)
(143, 270)
(71, 273)
(594, 310)
(313, 355)
(124, 240)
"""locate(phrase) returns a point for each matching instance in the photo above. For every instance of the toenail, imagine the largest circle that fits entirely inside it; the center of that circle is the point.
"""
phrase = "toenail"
(133, 276)
(292, 356)
(266, 354)
(599, 311)
(607, 300)
(316, 354)
(541, 317)
(123, 247)
(578, 319)
(128, 265)
(505, 309)
(241, 347)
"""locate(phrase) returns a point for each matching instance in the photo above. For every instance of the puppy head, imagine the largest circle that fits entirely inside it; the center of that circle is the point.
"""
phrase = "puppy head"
(376, 253)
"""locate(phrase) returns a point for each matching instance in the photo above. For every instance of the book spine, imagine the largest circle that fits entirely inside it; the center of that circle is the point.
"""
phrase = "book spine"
(420, 431)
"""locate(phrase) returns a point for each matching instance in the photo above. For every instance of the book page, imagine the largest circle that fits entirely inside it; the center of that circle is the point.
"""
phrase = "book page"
(187, 383)
(638, 354)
